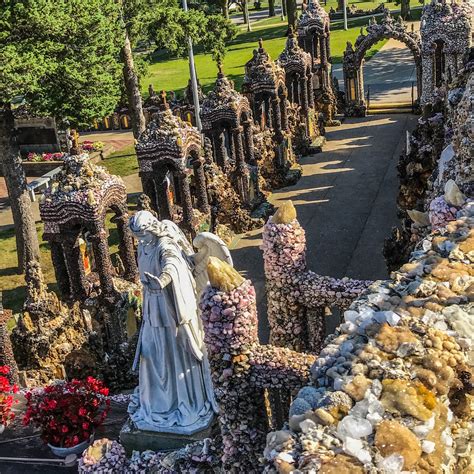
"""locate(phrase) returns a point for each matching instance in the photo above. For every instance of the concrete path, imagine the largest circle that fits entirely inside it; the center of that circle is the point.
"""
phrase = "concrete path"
(389, 73)
(346, 202)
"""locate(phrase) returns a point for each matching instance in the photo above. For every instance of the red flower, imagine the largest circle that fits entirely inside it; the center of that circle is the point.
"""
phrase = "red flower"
(67, 412)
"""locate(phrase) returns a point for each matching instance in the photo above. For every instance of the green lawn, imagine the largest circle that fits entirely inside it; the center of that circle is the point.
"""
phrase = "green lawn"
(173, 74)
(121, 163)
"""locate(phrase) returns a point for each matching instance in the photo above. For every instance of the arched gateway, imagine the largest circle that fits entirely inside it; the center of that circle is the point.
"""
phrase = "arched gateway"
(354, 59)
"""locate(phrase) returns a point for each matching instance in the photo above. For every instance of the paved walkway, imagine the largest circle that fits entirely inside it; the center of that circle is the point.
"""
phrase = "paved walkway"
(346, 202)
(389, 73)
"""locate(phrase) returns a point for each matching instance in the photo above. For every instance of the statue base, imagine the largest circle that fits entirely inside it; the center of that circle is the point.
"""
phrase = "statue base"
(134, 439)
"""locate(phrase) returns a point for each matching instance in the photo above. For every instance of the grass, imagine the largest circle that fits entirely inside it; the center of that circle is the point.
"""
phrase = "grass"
(172, 74)
(122, 163)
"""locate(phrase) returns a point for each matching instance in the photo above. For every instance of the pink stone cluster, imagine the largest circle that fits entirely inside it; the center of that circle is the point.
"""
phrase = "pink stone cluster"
(292, 289)
(242, 369)
(440, 213)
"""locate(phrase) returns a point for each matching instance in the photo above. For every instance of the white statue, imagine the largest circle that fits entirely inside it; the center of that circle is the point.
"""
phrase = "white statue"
(175, 393)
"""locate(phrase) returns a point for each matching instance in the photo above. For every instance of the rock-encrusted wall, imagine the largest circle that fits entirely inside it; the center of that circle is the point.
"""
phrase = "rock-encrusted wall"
(393, 388)
(242, 369)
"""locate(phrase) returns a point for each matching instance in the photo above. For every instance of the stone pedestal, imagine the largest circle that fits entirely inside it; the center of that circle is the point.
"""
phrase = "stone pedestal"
(134, 439)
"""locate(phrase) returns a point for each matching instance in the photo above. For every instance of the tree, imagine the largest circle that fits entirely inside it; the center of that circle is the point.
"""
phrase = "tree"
(271, 8)
(291, 8)
(61, 58)
(404, 8)
(171, 26)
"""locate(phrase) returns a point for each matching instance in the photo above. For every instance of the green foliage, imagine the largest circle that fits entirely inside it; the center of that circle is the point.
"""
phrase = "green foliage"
(61, 56)
(172, 25)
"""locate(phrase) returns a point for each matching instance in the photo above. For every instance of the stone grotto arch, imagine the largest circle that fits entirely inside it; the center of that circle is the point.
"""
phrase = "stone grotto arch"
(354, 59)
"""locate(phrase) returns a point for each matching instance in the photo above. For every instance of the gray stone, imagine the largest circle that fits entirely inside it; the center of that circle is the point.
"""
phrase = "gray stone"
(134, 439)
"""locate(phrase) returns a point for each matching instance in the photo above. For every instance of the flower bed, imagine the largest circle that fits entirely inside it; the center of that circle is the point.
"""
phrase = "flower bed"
(67, 412)
(6, 396)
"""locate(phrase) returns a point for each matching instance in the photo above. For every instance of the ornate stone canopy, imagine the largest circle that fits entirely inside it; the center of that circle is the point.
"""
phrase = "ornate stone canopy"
(168, 140)
(314, 17)
(82, 194)
(262, 74)
(294, 59)
(224, 104)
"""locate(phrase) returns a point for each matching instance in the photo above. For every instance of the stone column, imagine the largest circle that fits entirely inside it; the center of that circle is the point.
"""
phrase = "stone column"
(126, 247)
(149, 189)
(283, 112)
(201, 188)
(309, 91)
(165, 210)
(240, 166)
(75, 267)
(103, 262)
(304, 95)
(219, 148)
(248, 137)
(186, 201)
(60, 269)
(276, 118)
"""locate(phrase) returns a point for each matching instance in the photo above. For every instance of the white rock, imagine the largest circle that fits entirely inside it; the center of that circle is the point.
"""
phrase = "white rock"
(428, 446)
(446, 438)
(352, 446)
(352, 427)
(453, 195)
(392, 464)
(387, 317)
(307, 426)
(350, 316)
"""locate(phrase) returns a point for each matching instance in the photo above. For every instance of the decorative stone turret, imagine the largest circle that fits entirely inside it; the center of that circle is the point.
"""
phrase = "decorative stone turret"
(446, 37)
(264, 86)
(313, 37)
(73, 211)
(227, 121)
(296, 296)
(299, 82)
(171, 168)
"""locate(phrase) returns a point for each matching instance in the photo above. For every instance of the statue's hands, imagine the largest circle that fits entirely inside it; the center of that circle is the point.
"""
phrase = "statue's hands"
(153, 282)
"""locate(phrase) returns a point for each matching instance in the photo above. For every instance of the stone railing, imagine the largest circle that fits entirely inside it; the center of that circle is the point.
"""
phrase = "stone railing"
(242, 369)
(296, 296)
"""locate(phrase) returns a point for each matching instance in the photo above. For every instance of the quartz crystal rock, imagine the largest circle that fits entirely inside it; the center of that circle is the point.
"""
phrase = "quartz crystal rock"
(392, 464)
(353, 427)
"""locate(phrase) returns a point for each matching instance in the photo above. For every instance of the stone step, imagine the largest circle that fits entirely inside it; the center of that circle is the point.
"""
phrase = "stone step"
(389, 105)
(389, 111)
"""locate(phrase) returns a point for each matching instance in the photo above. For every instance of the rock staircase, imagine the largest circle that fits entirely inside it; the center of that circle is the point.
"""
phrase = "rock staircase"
(382, 108)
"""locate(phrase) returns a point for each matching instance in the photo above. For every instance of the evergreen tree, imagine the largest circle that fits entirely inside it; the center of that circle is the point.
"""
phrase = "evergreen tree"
(61, 57)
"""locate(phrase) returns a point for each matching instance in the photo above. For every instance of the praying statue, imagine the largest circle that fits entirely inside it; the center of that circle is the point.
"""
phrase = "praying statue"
(175, 393)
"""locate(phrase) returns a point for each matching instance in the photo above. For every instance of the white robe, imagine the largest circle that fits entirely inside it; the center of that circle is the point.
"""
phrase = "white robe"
(175, 391)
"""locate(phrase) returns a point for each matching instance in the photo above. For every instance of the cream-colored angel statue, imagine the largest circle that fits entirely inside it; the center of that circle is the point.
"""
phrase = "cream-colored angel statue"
(175, 393)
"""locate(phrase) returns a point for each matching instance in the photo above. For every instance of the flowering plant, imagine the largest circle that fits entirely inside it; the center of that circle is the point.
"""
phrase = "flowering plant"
(6, 396)
(67, 412)
(87, 145)
(44, 156)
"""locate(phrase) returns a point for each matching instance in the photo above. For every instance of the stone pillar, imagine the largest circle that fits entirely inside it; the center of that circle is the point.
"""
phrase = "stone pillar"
(240, 166)
(126, 247)
(104, 267)
(201, 188)
(248, 138)
(309, 88)
(283, 112)
(75, 267)
(186, 201)
(6, 351)
(219, 148)
(276, 118)
(149, 189)
(165, 209)
(60, 269)
(304, 95)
